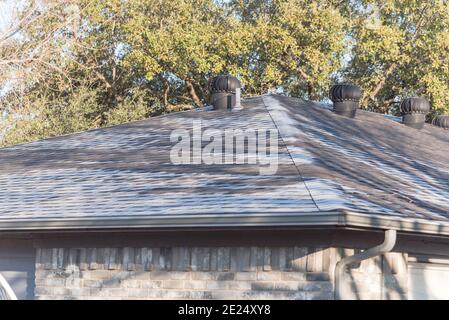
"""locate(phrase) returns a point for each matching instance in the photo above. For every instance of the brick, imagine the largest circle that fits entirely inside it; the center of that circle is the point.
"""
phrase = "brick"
(83, 259)
(181, 259)
(200, 295)
(176, 275)
(274, 295)
(128, 259)
(109, 258)
(195, 284)
(213, 259)
(293, 276)
(53, 297)
(165, 258)
(267, 259)
(172, 294)
(140, 275)
(269, 276)
(234, 259)
(59, 258)
(249, 276)
(55, 282)
(43, 291)
(262, 286)
(202, 275)
(73, 282)
(116, 292)
(150, 284)
(253, 259)
(239, 285)
(317, 286)
(46, 297)
(196, 259)
(131, 283)
(317, 276)
(326, 259)
(43, 273)
(120, 275)
(60, 291)
(92, 258)
(319, 296)
(173, 284)
(138, 293)
(224, 276)
(223, 259)
(216, 285)
(299, 261)
(368, 295)
(147, 259)
(160, 275)
(93, 283)
(260, 256)
(96, 274)
(227, 295)
(46, 258)
(287, 286)
(244, 259)
(275, 259)
(79, 292)
(100, 292)
(310, 261)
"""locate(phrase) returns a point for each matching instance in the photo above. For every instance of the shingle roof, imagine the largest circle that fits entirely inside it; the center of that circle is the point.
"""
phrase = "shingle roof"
(332, 170)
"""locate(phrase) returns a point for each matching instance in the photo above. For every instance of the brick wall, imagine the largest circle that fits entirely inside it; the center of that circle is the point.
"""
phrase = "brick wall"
(198, 273)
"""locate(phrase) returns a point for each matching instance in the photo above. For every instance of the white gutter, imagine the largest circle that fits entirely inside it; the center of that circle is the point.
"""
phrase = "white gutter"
(341, 266)
(5, 285)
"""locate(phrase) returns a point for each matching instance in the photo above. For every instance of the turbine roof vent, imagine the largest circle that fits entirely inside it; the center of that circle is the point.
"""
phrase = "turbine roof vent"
(224, 83)
(414, 111)
(346, 99)
(345, 92)
(442, 121)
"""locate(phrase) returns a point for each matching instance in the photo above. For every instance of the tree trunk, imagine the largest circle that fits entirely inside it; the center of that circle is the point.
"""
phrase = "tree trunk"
(192, 93)
(380, 85)
(166, 91)
(311, 91)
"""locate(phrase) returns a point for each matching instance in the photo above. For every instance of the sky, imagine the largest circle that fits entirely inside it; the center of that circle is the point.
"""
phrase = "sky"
(6, 13)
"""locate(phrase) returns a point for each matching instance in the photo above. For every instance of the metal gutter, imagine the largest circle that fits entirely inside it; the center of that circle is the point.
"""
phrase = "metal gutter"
(414, 225)
(341, 266)
(344, 219)
(176, 221)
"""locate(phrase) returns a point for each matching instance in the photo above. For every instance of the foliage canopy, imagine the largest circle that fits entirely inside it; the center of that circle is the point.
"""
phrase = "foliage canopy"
(73, 65)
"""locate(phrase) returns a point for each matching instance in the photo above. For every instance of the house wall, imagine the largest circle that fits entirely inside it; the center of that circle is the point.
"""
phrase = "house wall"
(17, 265)
(198, 272)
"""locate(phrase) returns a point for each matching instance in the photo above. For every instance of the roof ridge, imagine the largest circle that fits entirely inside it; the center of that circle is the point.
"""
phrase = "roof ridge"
(291, 157)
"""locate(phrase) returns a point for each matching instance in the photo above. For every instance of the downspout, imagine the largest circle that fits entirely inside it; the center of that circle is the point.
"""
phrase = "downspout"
(5, 285)
(341, 266)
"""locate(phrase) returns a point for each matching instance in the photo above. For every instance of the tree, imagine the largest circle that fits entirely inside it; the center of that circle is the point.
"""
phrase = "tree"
(401, 49)
(77, 81)
(72, 65)
(176, 42)
(297, 45)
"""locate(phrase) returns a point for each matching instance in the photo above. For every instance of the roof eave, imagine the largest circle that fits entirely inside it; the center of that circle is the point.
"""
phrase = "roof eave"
(345, 219)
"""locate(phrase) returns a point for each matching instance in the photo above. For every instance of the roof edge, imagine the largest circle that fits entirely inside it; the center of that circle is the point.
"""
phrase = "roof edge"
(176, 221)
(342, 218)
(413, 225)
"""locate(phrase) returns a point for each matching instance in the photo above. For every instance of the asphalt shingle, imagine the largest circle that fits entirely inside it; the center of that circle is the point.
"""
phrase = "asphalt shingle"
(371, 165)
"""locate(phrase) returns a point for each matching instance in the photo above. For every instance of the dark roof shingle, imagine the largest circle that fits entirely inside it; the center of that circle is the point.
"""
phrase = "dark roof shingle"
(369, 165)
